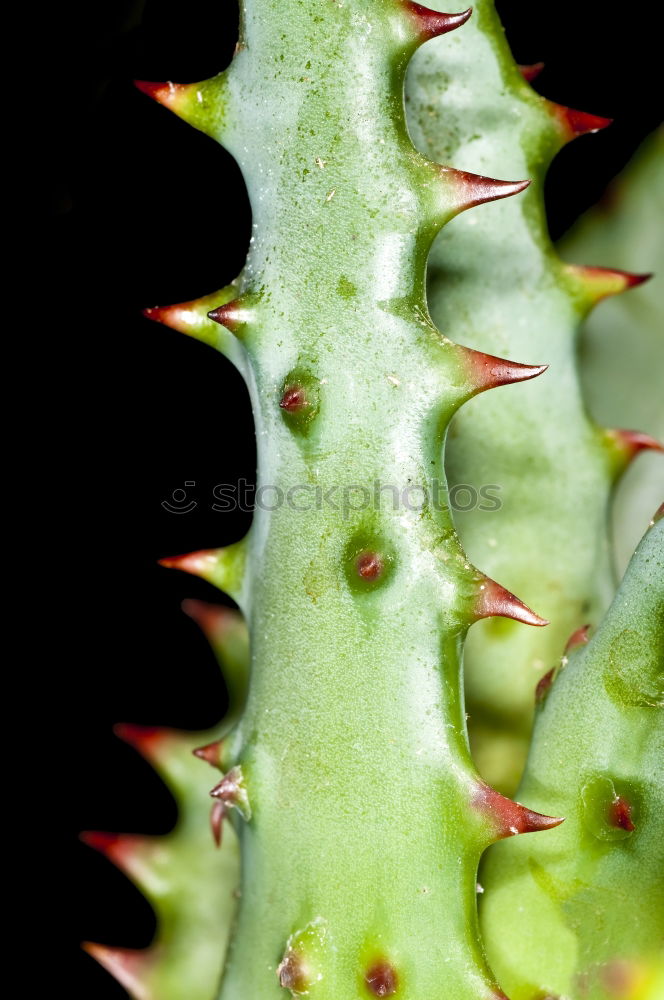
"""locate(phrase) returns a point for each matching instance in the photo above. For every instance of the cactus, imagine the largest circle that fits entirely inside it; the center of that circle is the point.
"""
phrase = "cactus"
(345, 775)
(496, 284)
(581, 912)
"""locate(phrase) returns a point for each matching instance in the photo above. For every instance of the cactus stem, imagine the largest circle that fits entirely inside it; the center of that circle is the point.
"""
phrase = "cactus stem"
(126, 965)
(510, 818)
(431, 23)
(494, 600)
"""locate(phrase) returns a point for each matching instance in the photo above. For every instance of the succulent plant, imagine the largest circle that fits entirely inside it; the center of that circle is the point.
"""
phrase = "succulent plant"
(345, 778)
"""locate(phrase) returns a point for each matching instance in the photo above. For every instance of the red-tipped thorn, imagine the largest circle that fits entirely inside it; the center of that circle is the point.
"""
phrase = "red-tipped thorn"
(489, 372)
(431, 23)
(200, 563)
(128, 966)
(495, 601)
(217, 815)
(620, 814)
(531, 72)
(150, 741)
(214, 620)
(544, 685)
(511, 817)
(659, 514)
(576, 123)
(578, 638)
(120, 848)
(633, 442)
(599, 283)
(474, 189)
(231, 791)
(232, 315)
(171, 316)
(212, 754)
(168, 94)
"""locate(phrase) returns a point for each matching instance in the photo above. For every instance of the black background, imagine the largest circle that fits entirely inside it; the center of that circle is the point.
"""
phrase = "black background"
(145, 210)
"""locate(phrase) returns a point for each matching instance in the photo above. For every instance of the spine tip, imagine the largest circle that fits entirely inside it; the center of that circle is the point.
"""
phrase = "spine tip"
(578, 638)
(431, 23)
(531, 72)
(493, 600)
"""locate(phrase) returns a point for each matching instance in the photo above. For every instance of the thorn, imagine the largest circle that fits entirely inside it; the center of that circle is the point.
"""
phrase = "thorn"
(152, 742)
(576, 123)
(168, 94)
(598, 283)
(120, 848)
(531, 72)
(212, 754)
(232, 791)
(224, 568)
(431, 23)
(473, 189)
(659, 514)
(214, 620)
(487, 372)
(128, 966)
(203, 105)
(494, 600)
(543, 686)
(234, 315)
(217, 815)
(630, 443)
(578, 638)
(510, 817)
(620, 814)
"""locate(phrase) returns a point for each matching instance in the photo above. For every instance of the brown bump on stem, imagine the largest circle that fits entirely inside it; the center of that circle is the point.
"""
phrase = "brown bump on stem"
(578, 638)
(381, 979)
(575, 123)
(494, 600)
(474, 189)
(620, 814)
(217, 814)
(292, 973)
(543, 685)
(489, 372)
(128, 966)
(369, 565)
(508, 817)
(294, 399)
(212, 754)
(431, 23)
(531, 72)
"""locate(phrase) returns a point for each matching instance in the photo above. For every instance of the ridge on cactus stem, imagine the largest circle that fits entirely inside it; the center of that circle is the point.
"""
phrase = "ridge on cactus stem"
(496, 285)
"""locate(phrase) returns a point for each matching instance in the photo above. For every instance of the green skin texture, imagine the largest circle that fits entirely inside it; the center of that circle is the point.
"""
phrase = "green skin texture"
(496, 284)
(559, 910)
(187, 879)
(622, 350)
(363, 840)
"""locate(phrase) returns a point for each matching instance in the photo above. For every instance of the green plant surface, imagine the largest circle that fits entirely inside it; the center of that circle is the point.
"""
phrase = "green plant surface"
(360, 814)
(496, 284)
(190, 882)
(622, 348)
(580, 914)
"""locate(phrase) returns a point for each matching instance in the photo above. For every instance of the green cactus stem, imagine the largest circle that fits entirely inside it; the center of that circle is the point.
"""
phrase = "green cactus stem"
(580, 913)
(496, 284)
(190, 882)
(361, 816)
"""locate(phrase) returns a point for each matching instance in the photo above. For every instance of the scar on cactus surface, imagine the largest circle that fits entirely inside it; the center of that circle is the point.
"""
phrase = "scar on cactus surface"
(169, 645)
